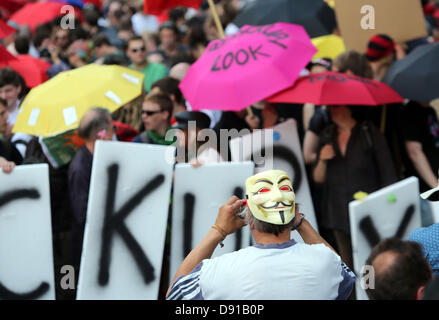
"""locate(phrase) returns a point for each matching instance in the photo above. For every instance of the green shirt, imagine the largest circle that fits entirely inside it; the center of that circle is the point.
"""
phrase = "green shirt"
(152, 72)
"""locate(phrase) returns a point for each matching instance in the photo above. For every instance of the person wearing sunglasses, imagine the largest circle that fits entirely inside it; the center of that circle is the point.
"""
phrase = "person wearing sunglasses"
(156, 116)
(136, 51)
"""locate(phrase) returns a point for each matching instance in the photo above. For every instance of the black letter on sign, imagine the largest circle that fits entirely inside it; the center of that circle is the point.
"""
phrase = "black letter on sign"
(288, 155)
(114, 221)
(239, 193)
(6, 294)
(371, 234)
(256, 51)
(189, 203)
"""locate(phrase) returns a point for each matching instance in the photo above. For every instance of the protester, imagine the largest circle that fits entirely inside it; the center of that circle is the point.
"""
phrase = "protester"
(382, 51)
(12, 90)
(277, 267)
(136, 51)
(103, 49)
(170, 87)
(170, 41)
(353, 157)
(179, 70)
(96, 124)
(400, 271)
(419, 130)
(156, 115)
(192, 145)
(9, 155)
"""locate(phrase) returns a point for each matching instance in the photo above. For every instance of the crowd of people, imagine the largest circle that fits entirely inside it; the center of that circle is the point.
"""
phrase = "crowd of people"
(345, 148)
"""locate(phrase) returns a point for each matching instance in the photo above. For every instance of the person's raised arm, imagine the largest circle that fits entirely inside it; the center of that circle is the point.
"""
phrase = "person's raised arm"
(311, 236)
(226, 223)
(319, 173)
(420, 162)
(310, 147)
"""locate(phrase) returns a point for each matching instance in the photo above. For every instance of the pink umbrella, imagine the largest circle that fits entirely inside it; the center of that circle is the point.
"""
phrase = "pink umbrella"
(247, 67)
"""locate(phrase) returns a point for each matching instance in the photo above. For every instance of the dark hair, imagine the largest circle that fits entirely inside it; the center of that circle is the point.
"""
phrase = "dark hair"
(355, 62)
(169, 86)
(401, 279)
(89, 128)
(3, 102)
(171, 26)
(21, 44)
(91, 16)
(40, 36)
(134, 38)
(10, 76)
(164, 102)
(100, 40)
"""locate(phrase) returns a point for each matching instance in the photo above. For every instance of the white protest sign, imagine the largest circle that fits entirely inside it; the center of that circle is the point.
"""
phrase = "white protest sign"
(282, 151)
(391, 211)
(434, 205)
(26, 254)
(198, 194)
(127, 214)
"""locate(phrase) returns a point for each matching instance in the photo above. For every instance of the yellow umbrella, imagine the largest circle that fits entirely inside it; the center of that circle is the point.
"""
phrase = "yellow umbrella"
(58, 104)
(329, 46)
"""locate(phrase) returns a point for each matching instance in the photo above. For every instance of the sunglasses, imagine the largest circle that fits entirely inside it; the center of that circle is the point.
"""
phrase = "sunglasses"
(143, 49)
(149, 113)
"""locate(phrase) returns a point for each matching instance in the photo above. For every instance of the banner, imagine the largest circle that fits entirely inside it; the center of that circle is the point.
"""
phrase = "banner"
(278, 148)
(26, 254)
(198, 194)
(389, 212)
(359, 20)
(126, 223)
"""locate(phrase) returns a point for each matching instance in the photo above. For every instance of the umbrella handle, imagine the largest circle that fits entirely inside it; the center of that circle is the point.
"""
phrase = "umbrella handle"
(216, 18)
(383, 119)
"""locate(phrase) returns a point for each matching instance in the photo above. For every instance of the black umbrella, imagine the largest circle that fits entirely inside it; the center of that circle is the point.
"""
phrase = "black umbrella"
(315, 16)
(416, 77)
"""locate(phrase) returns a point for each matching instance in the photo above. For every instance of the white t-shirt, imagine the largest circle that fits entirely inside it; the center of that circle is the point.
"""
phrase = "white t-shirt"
(287, 271)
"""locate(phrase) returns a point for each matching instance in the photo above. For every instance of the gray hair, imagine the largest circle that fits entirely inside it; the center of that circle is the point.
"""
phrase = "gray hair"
(93, 121)
(266, 227)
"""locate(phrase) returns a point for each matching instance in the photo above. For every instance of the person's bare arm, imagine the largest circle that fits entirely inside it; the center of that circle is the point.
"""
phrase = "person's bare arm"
(310, 146)
(420, 161)
(308, 111)
(311, 236)
(228, 222)
(319, 173)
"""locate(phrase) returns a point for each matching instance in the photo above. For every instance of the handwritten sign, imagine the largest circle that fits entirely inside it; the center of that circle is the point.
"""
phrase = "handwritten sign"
(126, 222)
(390, 212)
(26, 254)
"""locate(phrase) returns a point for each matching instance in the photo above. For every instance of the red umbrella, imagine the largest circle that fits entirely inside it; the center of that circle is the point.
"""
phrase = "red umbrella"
(158, 6)
(33, 70)
(8, 7)
(333, 88)
(34, 14)
(5, 30)
(5, 56)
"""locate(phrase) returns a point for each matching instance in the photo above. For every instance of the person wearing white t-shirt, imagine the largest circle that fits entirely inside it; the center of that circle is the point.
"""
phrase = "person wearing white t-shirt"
(276, 267)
